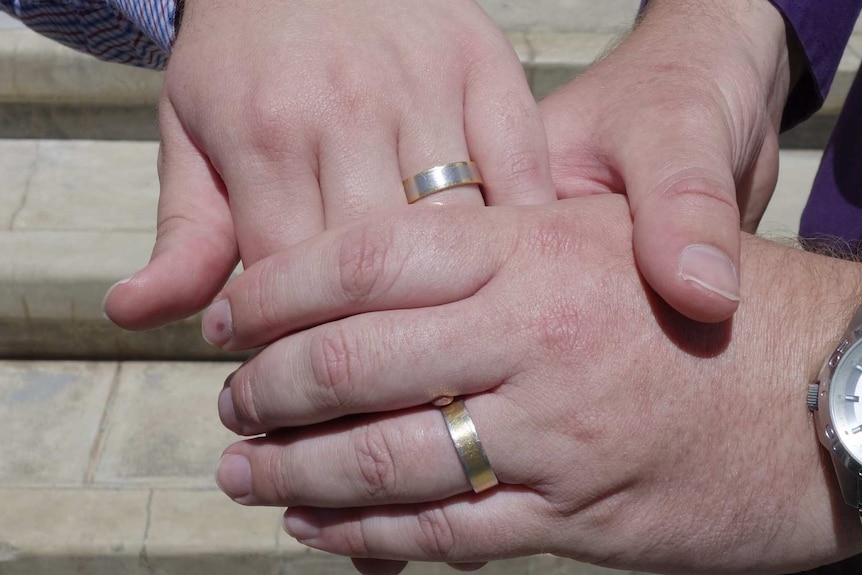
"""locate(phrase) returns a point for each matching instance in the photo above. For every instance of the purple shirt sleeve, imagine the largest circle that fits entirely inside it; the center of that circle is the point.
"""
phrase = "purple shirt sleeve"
(823, 28)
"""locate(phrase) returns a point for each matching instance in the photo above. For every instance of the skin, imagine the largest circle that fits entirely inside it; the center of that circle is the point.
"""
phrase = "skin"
(716, 502)
(256, 164)
(612, 422)
(683, 119)
(267, 139)
(694, 150)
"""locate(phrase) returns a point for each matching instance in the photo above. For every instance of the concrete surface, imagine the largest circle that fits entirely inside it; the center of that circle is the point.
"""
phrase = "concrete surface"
(562, 15)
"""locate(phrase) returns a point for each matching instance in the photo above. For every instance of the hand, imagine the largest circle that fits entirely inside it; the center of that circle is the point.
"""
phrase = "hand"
(280, 119)
(622, 433)
(683, 118)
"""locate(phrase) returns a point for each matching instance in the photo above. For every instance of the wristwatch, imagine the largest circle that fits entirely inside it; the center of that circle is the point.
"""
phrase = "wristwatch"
(835, 400)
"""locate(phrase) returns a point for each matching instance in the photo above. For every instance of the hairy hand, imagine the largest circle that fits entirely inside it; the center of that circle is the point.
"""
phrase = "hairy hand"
(683, 118)
(622, 433)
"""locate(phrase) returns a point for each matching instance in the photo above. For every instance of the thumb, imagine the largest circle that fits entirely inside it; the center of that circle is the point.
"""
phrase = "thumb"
(686, 233)
(195, 249)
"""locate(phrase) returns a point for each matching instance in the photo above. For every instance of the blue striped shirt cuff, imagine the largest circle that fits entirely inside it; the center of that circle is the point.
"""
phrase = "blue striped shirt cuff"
(136, 32)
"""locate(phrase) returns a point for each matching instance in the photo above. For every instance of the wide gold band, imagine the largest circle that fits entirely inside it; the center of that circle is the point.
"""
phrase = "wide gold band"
(473, 458)
(441, 178)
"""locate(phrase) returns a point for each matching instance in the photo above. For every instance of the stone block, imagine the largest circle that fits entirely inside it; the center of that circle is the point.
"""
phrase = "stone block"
(48, 274)
(164, 430)
(41, 70)
(205, 521)
(847, 69)
(17, 167)
(53, 532)
(855, 44)
(795, 178)
(562, 15)
(84, 185)
(50, 414)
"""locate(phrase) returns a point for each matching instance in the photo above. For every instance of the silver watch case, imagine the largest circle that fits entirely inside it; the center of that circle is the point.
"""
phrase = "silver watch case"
(847, 468)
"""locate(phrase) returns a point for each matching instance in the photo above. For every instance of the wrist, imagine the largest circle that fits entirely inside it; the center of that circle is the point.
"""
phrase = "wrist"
(798, 307)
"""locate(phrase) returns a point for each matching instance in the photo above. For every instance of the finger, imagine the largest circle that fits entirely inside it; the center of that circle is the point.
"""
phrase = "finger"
(195, 248)
(368, 363)
(271, 173)
(379, 460)
(376, 460)
(580, 168)
(755, 191)
(505, 522)
(415, 259)
(505, 133)
(686, 234)
(434, 136)
(359, 170)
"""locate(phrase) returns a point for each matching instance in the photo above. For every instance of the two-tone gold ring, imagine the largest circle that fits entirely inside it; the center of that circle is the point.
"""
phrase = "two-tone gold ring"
(473, 458)
(441, 178)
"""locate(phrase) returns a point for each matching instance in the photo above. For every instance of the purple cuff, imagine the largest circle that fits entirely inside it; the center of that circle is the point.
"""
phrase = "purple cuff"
(823, 28)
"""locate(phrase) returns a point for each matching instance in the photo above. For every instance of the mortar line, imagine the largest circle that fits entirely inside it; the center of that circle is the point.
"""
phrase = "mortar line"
(34, 167)
(143, 556)
(99, 442)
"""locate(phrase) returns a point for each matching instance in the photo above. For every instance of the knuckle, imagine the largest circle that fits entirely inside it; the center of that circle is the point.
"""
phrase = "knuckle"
(524, 167)
(349, 93)
(279, 471)
(261, 297)
(694, 191)
(336, 360)
(551, 237)
(269, 122)
(363, 262)
(375, 462)
(560, 331)
(355, 538)
(437, 537)
(244, 404)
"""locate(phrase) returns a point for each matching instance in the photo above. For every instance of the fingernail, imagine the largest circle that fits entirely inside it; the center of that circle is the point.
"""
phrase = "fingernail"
(233, 475)
(217, 326)
(710, 268)
(301, 524)
(226, 411)
(108, 294)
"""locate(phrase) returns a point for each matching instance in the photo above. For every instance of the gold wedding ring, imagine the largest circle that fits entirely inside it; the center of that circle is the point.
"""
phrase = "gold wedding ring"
(441, 178)
(473, 458)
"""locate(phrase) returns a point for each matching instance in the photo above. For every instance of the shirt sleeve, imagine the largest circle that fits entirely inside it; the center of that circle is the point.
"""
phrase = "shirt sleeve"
(136, 32)
(822, 29)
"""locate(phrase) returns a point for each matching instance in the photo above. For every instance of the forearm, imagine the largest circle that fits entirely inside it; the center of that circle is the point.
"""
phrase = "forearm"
(795, 307)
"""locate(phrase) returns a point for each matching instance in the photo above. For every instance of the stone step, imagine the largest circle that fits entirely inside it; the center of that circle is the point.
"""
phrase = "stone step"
(115, 475)
(49, 91)
(77, 216)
